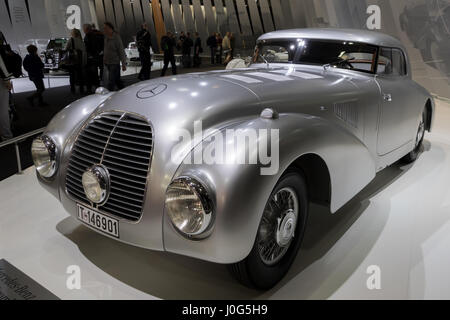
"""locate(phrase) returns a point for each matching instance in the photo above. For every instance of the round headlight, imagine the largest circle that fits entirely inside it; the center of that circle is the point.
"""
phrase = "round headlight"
(96, 184)
(43, 151)
(189, 207)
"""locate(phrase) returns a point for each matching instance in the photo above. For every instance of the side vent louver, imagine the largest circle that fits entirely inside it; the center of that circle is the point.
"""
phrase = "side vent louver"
(347, 112)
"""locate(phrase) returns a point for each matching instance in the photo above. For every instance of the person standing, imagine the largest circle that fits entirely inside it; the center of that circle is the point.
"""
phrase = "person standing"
(211, 42)
(226, 47)
(101, 42)
(219, 51)
(186, 50)
(114, 54)
(198, 49)
(232, 45)
(93, 42)
(168, 44)
(144, 43)
(76, 69)
(181, 41)
(35, 68)
(5, 87)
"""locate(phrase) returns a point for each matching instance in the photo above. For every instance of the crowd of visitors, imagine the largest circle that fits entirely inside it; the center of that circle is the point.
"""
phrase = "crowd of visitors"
(221, 46)
(99, 58)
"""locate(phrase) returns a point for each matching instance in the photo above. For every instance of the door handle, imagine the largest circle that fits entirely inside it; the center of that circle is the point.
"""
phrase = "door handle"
(387, 97)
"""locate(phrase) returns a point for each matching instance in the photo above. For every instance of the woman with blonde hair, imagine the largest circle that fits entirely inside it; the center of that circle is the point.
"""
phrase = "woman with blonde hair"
(226, 47)
(77, 51)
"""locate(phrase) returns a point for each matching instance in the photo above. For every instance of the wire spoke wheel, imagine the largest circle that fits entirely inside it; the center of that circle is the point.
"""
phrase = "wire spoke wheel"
(277, 228)
(279, 234)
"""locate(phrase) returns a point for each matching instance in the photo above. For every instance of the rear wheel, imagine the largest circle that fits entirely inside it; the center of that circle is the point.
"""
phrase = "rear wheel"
(279, 235)
(414, 154)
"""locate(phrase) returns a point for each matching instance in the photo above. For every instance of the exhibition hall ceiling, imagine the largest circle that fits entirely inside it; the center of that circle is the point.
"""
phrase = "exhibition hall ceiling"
(422, 25)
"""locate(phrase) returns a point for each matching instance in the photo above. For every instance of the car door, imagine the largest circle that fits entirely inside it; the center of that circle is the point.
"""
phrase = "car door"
(396, 114)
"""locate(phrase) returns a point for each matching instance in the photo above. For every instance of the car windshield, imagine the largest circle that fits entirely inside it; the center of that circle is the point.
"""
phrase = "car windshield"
(57, 44)
(337, 54)
(278, 51)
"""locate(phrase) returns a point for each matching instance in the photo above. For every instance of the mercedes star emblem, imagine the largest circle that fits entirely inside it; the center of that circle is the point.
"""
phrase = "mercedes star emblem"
(151, 91)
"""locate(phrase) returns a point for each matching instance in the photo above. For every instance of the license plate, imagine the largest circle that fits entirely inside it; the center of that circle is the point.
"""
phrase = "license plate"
(98, 221)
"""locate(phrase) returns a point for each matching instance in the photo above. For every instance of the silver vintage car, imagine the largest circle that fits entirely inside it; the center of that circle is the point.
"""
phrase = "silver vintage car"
(333, 106)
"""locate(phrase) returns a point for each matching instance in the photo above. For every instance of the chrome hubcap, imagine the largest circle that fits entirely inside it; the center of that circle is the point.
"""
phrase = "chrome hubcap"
(420, 133)
(286, 228)
(277, 228)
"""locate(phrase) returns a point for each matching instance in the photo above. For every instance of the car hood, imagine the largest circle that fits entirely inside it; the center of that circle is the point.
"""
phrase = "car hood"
(181, 100)
(220, 97)
(203, 103)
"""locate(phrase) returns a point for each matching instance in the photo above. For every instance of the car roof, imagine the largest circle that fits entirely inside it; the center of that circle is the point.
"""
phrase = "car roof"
(356, 35)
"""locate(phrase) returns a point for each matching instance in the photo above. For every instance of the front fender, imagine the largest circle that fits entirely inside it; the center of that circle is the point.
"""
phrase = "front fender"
(62, 127)
(241, 191)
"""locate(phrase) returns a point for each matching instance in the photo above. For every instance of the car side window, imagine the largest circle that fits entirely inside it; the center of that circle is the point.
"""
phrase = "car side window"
(398, 62)
(385, 62)
(391, 62)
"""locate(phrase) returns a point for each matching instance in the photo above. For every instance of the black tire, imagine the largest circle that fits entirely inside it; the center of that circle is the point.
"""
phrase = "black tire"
(253, 272)
(414, 154)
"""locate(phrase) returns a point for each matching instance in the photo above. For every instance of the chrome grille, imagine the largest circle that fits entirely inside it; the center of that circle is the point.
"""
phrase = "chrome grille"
(123, 143)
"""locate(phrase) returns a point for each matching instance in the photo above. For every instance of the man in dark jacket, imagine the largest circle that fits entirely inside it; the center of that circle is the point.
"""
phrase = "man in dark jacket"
(35, 68)
(186, 49)
(144, 42)
(5, 87)
(181, 40)
(197, 50)
(93, 41)
(168, 44)
(211, 42)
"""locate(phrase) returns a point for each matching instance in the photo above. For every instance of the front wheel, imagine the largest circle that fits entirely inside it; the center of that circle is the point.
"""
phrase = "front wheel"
(420, 135)
(279, 235)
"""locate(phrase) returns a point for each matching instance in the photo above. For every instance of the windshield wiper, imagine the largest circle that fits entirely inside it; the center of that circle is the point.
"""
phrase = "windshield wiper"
(264, 59)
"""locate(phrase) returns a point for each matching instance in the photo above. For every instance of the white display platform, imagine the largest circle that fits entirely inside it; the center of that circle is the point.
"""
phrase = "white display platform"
(400, 223)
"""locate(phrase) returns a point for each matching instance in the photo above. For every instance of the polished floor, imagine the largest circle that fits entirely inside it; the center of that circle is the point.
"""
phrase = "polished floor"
(400, 223)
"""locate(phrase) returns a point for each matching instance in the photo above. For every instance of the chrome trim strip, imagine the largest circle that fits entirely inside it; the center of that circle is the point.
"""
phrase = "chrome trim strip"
(269, 76)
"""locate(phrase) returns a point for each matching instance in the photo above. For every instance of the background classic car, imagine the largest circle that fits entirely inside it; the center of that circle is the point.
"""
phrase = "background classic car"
(53, 54)
(345, 107)
(132, 52)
